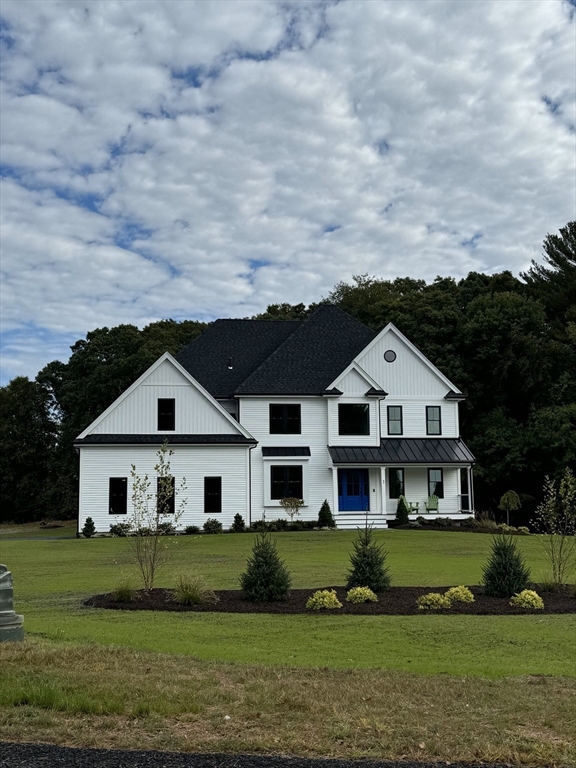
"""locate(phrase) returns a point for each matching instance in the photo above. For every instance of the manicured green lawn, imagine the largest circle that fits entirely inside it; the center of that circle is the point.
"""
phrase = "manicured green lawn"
(52, 577)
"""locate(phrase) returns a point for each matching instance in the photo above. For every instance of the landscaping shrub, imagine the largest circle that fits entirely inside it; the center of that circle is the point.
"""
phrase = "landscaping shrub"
(259, 526)
(523, 530)
(166, 529)
(470, 522)
(192, 590)
(459, 595)
(266, 578)
(89, 529)
(442, 522)
(528, 599)
(361, 595)
(323, 599)
(124, 591)
(505, 573)
(433, 601)
(238, 526)
(421, 520)
(503, 528)
(291, 505)
(281, 524)
(212, 526)
(191, 530)
(120, 529)
(402, 512)
(325, 519)
(368, 563)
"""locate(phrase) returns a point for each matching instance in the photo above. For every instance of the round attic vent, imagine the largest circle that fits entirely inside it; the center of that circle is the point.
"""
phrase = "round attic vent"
(389, 355)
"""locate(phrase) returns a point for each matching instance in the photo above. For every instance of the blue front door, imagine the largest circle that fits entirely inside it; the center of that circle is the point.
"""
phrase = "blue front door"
(353, 490)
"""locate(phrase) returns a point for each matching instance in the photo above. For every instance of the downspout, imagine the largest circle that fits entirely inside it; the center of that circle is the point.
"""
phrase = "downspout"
(250, 449)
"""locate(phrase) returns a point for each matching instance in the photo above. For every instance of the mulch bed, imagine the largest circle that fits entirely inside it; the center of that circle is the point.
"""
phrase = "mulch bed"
(397, 601)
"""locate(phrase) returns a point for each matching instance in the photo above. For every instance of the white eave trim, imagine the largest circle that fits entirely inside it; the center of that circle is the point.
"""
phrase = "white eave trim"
(166, 357)
(354, 366)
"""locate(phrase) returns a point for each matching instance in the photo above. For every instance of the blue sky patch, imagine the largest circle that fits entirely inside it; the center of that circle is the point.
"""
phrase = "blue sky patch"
(331, 228)
(473, 241)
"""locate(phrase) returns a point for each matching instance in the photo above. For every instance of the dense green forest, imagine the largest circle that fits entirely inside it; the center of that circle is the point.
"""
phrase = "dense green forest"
(509, 343)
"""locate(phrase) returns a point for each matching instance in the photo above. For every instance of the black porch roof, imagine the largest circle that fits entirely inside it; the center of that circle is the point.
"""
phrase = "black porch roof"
(406, 450)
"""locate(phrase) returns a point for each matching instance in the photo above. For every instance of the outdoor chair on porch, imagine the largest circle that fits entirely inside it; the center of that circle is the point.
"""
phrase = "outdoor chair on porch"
(414, 506)
(432, 504)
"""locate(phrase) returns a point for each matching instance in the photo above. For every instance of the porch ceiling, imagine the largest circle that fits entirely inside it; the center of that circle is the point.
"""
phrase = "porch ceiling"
(406, 450)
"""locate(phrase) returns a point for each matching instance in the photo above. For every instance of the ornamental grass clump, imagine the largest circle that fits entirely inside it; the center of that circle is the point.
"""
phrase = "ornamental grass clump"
(433, 601)
(266, 578)
(193, 590)
(124, 591)
(459, 595)
(368, 563)
(361, 595)
(323, 599)
(505, 573)
(527, 599)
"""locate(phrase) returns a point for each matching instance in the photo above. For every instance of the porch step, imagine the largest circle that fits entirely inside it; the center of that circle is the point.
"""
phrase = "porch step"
(352, 520)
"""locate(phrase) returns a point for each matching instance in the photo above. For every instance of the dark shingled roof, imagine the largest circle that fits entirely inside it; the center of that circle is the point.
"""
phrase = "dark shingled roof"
(174, 439)
(286, 450)
(406, 450)
(275, 357)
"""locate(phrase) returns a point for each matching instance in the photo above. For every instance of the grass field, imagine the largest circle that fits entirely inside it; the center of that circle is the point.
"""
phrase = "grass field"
(409, 680)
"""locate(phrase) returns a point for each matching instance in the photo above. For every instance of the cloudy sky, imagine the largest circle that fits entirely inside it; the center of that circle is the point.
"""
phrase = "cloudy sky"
(200, 159)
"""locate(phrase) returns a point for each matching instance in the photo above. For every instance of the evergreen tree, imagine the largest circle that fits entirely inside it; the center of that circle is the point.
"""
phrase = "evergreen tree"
(89, 528)
(402, 512)
(266, 578)
(505, 573)
(368, 563)
(325, 519)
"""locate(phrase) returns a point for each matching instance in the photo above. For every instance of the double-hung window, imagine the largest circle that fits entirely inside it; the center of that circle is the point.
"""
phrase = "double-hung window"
(286, 482)
(394, 419)
(285, 419)
(166, 414)
(433, 420)
(395, 482)
(212, 495)
(436, 483)
(117, 495)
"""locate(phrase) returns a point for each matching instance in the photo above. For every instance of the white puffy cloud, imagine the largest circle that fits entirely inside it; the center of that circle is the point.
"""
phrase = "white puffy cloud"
(203, 159)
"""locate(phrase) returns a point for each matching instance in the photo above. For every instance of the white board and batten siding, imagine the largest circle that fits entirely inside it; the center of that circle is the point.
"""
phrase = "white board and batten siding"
(316, 474)
(414, 416)
(99, 463)
(137, 413)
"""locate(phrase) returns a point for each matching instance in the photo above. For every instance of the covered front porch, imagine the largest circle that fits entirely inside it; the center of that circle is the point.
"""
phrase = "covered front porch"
(434, 475)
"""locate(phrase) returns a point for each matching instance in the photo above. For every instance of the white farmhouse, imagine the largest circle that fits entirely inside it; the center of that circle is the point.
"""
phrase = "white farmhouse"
(256, 411)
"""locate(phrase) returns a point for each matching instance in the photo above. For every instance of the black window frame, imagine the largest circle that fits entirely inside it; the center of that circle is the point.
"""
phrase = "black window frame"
(117, 495)
(401, 420)
(401, 483)
(286, 487)
(170, 503)
(285, 419)
(438, 493)
(213, 495)
(430, 421)
(343, 422)
(166, 420)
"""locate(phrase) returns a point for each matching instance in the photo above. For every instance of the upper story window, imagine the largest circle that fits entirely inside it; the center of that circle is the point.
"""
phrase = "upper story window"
(166, 414)
(433, 420)
(394, 419)
(353, 419)
(285, 419)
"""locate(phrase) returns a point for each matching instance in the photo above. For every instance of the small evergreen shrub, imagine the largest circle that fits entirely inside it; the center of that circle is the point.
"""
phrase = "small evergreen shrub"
(523, 530)
(266, 578)
(259, 526)
(459, 595)
(192, 590)
(323, 599)
(191, 530)
(212, 526)
(238, 526)
(503, 528)
(421, 520)
(166, 529)
(527, 599)
(505, 573)
(470, 522)
(278, 525)
(433, 601)
(368, 563)
(89, 529)
(402, 512)
(120, 529)
(325, 519)
(361, 595)
(442, 522)
(124, 591)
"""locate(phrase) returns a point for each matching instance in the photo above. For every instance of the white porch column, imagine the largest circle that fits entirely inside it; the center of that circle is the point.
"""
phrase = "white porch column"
(335, 489)
(383, 489)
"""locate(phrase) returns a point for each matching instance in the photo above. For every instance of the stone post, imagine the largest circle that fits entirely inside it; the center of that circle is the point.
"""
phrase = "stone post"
(11, 624)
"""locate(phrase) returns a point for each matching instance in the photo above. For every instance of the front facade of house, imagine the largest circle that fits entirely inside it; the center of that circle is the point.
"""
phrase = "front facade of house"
(256, 411)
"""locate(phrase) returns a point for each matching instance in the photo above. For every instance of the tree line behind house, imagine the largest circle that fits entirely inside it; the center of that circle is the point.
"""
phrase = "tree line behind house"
(508, 343)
